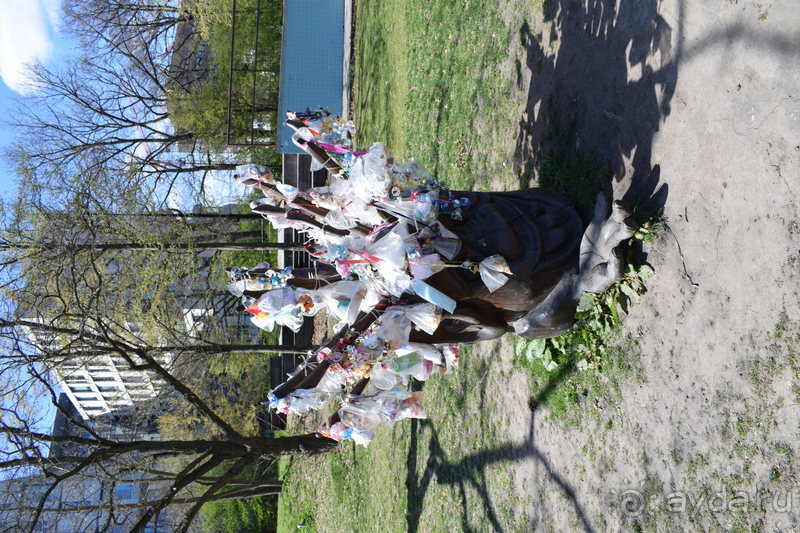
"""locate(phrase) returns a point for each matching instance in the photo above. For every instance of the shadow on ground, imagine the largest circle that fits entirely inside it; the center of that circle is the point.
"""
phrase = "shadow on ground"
(600, 98)
(471, 470)
(602, 95)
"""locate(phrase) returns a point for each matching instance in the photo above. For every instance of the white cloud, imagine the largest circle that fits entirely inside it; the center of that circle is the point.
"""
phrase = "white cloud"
(24, 39)
(53, 10)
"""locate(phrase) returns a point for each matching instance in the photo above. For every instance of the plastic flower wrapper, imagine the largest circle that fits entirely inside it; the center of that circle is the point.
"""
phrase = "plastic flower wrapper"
(390, 249)
(303, 400)
(362, 438)
(261, 266)
(401, 208)
(237, 288)
(413, 366)
(363, 212)
(267, 200)
(383, 377)
(412, 171)
(493, 272)
(411, 407)
(398, 404)
(425, 209)
(423, 351)
(396, 282)
(447, 243)
(450, 355)
(258, 172)
(309, 301)
(300, 138)
(395, 326)
(372, 296)
(342, 189)
(331, 383)
(360, 415)
(421, 371)
(426, 266)
(288, 191)
(264, 321)
(369, 175)
(323, 198)
(250, 305)
(279, 222)
(425, 315)
(276, 299)
(404, 360)
(339, 220)
(289, 316)
(339, 298)
(340, 432)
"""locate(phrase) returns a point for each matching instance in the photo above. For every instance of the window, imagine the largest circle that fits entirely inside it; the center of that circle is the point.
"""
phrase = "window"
(82, 398)
(124, 491)
(80, 389)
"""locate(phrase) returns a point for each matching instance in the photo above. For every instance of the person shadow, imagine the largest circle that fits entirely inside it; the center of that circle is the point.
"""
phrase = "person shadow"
(596, 103)
(471, 470)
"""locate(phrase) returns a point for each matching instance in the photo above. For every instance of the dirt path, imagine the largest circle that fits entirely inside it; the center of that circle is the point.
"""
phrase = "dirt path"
(697, 105)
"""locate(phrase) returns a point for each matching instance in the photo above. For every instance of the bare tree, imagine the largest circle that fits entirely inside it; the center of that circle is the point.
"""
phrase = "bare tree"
(111, 112)
(78, 332)
(98, 22)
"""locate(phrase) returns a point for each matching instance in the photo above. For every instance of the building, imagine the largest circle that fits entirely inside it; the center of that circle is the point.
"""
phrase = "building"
(79, 503)
(102, 385)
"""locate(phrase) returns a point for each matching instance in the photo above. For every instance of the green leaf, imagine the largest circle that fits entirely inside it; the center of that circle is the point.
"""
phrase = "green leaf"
(629, 291)
(535, 349)
(624, 303)
(547, 358)
(645, 271)
(609, 299)
(519, 348)
(587, 301)
(613, 308)
(582, 364)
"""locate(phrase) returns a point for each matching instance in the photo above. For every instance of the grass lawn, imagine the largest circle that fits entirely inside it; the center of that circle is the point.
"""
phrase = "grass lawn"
(432, 81)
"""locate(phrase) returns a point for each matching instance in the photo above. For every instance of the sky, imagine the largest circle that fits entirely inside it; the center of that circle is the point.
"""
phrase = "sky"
(29, 32)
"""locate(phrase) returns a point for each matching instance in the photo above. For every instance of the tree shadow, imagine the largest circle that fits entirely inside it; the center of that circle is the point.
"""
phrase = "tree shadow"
(471, 470)
(604, 92)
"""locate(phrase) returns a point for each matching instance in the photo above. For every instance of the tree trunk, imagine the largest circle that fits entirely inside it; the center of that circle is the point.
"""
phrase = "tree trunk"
(297, 445)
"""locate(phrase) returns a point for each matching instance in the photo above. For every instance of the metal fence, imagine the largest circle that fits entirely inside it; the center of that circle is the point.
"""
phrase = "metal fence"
(259, 128)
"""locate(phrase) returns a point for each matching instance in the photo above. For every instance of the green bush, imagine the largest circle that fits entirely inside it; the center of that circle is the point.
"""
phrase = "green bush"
(256, 515)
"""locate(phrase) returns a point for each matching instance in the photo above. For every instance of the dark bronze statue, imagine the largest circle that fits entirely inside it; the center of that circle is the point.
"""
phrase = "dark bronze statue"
(553, 260)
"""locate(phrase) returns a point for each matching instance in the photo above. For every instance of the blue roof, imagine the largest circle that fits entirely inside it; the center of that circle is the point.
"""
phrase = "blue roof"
(312, 61)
